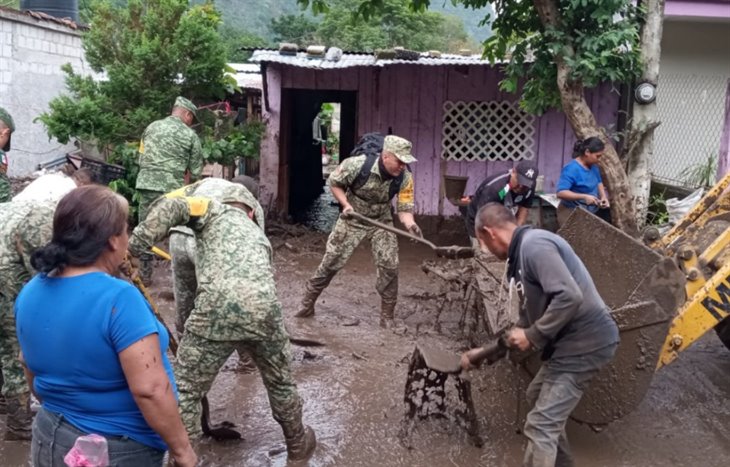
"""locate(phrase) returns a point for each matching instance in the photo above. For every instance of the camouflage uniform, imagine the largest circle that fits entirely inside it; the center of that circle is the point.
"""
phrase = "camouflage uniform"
(24, 227)
(236, 307)
(168, 147)
(6, 193)
(182, 243)
(371, 200)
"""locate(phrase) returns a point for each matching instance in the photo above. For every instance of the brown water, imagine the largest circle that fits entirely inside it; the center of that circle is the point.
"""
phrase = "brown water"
(353, 387)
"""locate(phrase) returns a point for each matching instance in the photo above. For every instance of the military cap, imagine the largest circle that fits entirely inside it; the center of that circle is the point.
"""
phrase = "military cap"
(401, 147)
(187, 105)
(8, 121)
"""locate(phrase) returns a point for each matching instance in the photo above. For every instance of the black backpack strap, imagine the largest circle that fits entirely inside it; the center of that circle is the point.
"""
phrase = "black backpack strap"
(364, 174)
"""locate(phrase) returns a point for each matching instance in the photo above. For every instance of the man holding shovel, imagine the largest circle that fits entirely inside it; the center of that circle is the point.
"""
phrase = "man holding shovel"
(561, 314)
(366, 184)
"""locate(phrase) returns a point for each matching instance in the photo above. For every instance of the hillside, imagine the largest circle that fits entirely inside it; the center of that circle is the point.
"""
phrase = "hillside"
(255, 16)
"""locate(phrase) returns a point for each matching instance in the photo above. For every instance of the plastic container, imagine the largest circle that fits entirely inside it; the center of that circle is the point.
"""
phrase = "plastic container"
(88, 451)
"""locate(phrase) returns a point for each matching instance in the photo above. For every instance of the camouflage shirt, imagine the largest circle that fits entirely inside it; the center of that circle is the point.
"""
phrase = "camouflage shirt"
(167, 149)
(236, 293)
(218, 189)
(25, 226)
(372, 199)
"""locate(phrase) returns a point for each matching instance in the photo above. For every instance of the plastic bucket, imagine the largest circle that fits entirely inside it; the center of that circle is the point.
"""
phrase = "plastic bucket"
(454, 186)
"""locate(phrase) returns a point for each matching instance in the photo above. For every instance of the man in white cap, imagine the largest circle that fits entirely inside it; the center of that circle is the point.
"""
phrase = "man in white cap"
(366, 184)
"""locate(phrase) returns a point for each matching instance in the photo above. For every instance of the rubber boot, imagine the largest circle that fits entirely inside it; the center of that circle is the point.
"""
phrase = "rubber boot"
(300, 441)
(19, 419)
(387, 313)
(315, 286)
(306, 309)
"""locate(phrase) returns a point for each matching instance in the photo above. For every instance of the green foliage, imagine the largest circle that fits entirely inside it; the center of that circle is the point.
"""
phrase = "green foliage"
(299, 29)
(598, 40)
(657, 213)
(150, 52)
(235, 39)
(701, 174)
(126, 155)
(393, 24)
(239, 141)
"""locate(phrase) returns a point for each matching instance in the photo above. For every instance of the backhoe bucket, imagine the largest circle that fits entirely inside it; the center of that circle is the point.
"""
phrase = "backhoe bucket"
(644, 291)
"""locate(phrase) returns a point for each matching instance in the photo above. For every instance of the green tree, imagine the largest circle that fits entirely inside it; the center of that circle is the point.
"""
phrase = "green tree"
(235, 39)
(299, 29)
(557, 48)
(148, 52)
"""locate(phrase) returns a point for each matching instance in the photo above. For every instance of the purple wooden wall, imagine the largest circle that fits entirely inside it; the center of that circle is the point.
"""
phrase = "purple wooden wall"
(409, 99)
(723, 163)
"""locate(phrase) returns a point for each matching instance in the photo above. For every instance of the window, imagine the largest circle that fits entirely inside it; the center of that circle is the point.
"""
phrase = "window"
(486, 131)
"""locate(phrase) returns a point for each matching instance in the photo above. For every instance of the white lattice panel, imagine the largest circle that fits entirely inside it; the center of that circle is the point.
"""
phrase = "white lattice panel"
(486, 131)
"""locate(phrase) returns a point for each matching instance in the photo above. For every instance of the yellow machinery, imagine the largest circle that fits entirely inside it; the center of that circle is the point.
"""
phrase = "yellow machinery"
(664, 296)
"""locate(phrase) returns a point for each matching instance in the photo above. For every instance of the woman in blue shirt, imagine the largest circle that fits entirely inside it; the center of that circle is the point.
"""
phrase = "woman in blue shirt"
(95, 355)
(580, 183)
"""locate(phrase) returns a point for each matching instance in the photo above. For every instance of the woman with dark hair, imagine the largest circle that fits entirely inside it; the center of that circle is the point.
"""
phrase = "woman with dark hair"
(580, 183)
(95, 354)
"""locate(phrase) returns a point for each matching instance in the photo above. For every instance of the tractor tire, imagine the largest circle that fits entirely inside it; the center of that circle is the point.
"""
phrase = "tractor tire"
(723, 331)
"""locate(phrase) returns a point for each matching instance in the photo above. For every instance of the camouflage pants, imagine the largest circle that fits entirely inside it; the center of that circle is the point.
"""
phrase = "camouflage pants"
(343, 240)
(6, 193)
(199, 360)
(146, 198)
(184, 282)
(14, 383)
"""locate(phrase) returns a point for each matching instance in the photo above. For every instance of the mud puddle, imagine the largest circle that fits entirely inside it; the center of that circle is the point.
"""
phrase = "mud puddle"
(353, 387)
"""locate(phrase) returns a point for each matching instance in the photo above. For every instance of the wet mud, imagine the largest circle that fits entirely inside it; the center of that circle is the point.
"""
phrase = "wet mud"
(353, 387)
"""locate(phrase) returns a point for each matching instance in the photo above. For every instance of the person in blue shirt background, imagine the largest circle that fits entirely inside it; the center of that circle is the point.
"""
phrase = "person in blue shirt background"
(580, 183)
(93, 350)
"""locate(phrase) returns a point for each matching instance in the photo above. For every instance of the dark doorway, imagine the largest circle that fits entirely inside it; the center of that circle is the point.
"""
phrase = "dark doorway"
(301, 177)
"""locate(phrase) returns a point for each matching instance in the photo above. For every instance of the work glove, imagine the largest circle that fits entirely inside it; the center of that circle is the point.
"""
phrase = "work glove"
(415, 230)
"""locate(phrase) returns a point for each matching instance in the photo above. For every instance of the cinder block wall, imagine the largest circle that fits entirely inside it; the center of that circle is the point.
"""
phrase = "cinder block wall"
(31, 54)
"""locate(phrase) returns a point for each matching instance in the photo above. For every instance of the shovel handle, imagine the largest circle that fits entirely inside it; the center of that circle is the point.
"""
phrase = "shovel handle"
(389, 228)
(491, 352)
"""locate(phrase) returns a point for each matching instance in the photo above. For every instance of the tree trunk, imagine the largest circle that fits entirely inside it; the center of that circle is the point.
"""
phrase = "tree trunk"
(640, 148)
(584, 124)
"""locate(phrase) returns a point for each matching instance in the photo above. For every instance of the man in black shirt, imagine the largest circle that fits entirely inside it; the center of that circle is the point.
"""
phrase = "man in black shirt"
(514, 188)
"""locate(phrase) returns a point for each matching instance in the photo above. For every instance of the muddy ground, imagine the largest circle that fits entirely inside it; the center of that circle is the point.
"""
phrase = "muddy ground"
(353, 387)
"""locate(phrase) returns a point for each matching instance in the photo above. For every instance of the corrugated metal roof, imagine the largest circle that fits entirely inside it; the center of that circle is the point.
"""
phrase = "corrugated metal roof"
(357, 60)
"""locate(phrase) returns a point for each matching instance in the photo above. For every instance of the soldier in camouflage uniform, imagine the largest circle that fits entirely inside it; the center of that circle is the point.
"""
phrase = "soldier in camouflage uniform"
(170, 156)
(7, 127)
(25, 226)
(182, 239)
(236, 307)
(371, 199)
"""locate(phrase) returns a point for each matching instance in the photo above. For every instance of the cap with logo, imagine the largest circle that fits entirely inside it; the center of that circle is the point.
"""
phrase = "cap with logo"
(184, 103)
(8, 121)
(400, 147)
(527, 173)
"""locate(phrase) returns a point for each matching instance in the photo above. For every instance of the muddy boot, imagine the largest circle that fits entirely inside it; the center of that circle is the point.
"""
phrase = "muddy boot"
(387, 313)
(300, 442)
(19, 419)
(315, 286)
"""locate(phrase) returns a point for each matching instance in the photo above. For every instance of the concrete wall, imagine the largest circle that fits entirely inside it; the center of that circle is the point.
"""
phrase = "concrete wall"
(693, 82)
(31, 54)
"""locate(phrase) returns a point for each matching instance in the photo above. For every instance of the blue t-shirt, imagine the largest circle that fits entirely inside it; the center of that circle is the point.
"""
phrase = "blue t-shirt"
(71, 330)
(578, 179)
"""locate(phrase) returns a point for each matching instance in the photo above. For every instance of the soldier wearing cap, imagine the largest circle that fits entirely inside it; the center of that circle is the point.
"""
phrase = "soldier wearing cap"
(7, 127)
(366, 185)
(170, 156)
(515, 189)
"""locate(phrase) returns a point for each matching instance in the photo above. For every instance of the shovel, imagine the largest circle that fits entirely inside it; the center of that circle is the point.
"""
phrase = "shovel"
(452, 252)
(425, 393)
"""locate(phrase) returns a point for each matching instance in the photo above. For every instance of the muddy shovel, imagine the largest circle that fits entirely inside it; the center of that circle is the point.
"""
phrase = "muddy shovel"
(218, 431)
(453, 252)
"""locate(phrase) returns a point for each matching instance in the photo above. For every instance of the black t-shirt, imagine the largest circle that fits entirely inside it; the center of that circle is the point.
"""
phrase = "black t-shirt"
(493, 190)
